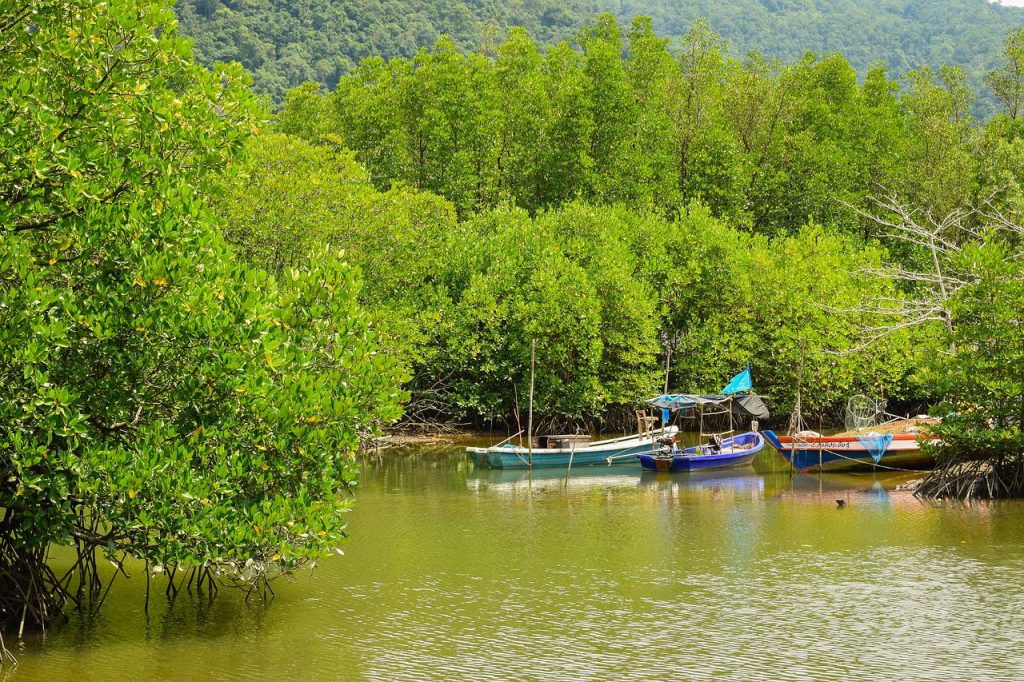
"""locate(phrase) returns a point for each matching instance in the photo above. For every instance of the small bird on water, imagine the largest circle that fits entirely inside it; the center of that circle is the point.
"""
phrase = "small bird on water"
(840, 503)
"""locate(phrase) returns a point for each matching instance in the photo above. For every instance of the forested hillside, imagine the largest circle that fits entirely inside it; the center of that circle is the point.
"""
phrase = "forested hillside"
(286, 43)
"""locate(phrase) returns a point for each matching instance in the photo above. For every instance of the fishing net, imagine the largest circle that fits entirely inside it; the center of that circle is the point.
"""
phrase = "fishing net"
(862, 413)
(876, 444)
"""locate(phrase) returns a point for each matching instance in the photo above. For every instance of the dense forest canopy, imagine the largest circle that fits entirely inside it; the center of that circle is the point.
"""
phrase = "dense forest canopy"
(284, 43)
(765, 145)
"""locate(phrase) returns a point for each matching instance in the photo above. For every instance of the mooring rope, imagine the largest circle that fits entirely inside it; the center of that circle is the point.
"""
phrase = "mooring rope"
(632, 454)
(860, 461)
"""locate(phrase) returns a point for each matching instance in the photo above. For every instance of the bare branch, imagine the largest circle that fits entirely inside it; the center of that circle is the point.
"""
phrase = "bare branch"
(879, 333)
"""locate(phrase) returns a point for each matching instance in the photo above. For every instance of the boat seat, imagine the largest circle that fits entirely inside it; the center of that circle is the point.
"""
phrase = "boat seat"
(566, 441)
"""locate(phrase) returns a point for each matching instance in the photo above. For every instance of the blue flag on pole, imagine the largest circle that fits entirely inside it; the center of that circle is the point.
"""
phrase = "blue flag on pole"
(740, 382)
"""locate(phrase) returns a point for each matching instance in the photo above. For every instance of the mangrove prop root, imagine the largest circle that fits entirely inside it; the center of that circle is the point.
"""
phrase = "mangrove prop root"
(31, 596)
(974, 478)
(6, 657)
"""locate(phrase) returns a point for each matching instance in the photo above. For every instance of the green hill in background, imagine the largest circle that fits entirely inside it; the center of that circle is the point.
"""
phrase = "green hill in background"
(284, 43)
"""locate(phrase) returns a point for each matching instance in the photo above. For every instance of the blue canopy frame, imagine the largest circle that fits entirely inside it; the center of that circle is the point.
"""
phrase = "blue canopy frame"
(748, 405)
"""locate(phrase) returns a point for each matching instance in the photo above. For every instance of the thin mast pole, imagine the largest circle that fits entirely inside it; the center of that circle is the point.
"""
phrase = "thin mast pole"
(700, 436)
(731, 427)
(668, 366)
(529, 421)
(668, 360)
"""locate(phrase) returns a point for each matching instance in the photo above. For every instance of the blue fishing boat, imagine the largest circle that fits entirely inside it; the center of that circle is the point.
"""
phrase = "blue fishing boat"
(721, 450)
(735, 451)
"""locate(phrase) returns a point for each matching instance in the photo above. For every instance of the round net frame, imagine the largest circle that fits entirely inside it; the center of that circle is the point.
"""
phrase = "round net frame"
(863, 413)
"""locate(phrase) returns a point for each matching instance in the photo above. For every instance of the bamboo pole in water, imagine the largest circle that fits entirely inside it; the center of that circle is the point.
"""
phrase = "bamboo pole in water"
(572, 452)
(529, 420)
(821, 455)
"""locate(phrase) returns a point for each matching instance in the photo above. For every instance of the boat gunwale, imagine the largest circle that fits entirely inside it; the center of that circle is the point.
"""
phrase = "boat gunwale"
(847, 438)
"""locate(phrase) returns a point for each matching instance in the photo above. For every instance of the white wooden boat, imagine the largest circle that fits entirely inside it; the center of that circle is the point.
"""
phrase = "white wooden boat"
(619, 450)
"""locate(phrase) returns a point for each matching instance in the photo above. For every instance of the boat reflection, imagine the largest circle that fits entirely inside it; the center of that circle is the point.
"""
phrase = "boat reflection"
(597, 476)
(740, 482)
(880, 488)
(744, 483)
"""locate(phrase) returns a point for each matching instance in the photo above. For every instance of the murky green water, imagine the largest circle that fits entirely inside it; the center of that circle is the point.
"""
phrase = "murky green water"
(458, 574)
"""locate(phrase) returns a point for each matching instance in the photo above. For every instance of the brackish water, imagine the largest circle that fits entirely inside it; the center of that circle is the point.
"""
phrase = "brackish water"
(459, 574)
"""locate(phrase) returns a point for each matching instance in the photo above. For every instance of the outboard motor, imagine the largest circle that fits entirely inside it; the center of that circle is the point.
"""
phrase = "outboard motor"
(667, 443)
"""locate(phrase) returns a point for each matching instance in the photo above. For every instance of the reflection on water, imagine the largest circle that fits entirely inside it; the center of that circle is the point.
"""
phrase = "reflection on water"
(609, 573)
(744, 483)
(506, 481)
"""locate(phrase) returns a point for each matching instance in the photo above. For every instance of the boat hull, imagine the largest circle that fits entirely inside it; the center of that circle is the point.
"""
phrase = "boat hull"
(623, 451)
(847, 453)
(738, 451)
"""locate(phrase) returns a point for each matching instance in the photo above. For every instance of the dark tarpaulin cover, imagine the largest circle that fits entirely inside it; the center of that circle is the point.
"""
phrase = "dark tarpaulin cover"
(745, 405)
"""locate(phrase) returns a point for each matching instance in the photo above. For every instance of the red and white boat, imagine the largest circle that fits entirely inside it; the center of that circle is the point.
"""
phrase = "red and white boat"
(895, 445)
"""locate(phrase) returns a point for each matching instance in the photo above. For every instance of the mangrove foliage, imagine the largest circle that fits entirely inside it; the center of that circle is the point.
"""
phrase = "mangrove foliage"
(159, 399)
